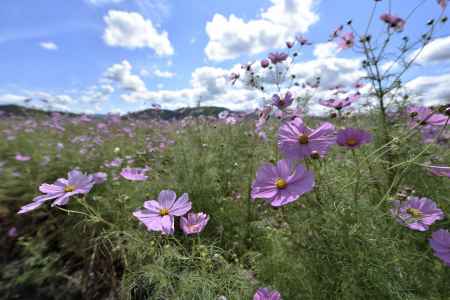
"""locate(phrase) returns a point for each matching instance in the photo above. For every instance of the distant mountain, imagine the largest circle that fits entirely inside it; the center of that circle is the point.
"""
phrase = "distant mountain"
(178, 113)
(164, 114)
(16, 110)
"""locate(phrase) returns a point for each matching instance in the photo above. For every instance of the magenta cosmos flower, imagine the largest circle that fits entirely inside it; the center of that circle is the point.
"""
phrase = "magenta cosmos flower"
(281, 184)
(159, 215)
(440, 170)
(265, 63)
(266, 294)
(277, 57)
(353, 138)
(134, 174)
(61, 190)
(440, 242)
(297, 141)
(417, 213)
(282, 102)
(194, 223)
(347, 41)
(394, 22)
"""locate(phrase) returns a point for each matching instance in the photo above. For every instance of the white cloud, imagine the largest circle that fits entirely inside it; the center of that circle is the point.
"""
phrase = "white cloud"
(333, 71)
(144, 73)
(232, 36)
(437, 51)
(130, 30)
(430, 90)
(97, 94)
(325, 50)
(12, 99)
(163, 74)
(121, 74)
(48, 46)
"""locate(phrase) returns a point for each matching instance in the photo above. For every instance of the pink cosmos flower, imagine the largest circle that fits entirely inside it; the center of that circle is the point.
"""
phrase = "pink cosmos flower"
(159, 215)
(297, 141)
(265, 63)
(134, 174)
(100, 177)
(425, 116)
(282, 102)
(194, 223)
(440, 242)
(12, 232)
(339, 104)
(266, 294)
(61, 190)
(417, 213)
(114, 163)
(302, 40)
(394, 22)
(347, 41)
(231, 120)
(277, 57)
(353, 138)
(439, 170)
(20, 157)
(281, 184)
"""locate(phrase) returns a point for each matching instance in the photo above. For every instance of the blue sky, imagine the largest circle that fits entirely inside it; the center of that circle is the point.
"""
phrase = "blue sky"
(84, 55)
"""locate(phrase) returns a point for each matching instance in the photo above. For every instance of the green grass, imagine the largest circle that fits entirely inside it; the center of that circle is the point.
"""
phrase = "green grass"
(344, 247)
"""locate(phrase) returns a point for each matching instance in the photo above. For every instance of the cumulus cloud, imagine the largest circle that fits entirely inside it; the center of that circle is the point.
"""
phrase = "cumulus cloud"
(163, 74)
(430, 90)
(121, 74)
(12, 99)
(333, 71)
(130, 30)
(438, 51)
(49, 46)
(325, 50)
(97, 94)
(232, 36)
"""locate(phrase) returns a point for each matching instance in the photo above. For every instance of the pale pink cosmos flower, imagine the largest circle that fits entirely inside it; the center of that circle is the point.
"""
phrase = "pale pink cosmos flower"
(159, 215)
(21, 157)
(347, 41)
(281, 184)
(266, 294)
(297, 141)
(394, 22)
(417, 213)
(134, 174)
(77, 183)
(194, 223)
(443, 171)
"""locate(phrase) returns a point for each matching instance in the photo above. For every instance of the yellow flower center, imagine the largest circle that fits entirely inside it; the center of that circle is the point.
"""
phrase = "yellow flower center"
(163, 212)
(303, 139)
(69, 188)
(417, 214)
(280, 183)
(352, 142)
